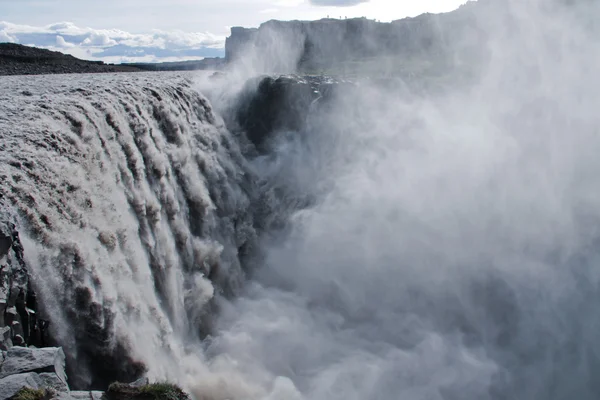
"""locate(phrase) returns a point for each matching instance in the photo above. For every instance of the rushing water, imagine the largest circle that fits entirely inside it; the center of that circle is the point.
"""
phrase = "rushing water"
(132, 194)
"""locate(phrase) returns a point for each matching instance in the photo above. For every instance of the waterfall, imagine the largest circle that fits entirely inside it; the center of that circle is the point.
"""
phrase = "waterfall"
(133, 199)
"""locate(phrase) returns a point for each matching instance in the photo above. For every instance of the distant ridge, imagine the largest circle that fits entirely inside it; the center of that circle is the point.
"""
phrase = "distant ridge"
(17, 59)
(192, 65)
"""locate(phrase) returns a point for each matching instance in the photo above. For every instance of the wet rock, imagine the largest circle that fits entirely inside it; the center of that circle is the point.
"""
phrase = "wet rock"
(272, 105)
(18, 340)
(5, 340)
(18, 302)
(5, 240)
(22, 359)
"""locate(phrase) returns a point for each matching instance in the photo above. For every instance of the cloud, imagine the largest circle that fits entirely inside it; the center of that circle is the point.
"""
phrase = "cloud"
(114, 45)
(288, 3)
(337, 3)
(5, 37)
(61, 42)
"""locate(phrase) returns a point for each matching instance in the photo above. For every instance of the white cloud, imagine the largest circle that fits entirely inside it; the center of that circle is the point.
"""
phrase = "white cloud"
(114, 45)
(287, 3)
(5, 37)
(62, 43)
(99, 39)
(269, 11)
(337, 3)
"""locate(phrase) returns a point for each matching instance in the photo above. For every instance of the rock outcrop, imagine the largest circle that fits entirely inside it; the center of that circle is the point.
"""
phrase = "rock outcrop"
(268, 105)
(271, 105)
(19, 321)
(33, 368)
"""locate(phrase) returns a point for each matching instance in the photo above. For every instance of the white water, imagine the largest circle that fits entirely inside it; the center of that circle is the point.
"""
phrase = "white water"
(131, 192)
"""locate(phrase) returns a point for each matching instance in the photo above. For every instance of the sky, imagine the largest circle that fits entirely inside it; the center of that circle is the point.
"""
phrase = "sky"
(159, 30)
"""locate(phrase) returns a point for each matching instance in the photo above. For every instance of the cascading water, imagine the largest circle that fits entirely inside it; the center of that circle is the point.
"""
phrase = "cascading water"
(133, 198)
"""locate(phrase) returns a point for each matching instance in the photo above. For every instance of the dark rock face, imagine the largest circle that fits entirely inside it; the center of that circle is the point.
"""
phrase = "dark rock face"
(269, 106)
(19, 322)
(276, 104)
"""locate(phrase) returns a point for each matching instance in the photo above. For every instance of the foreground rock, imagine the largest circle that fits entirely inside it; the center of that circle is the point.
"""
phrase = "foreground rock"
(25, 370)
(22, 359)
(11, 385)
(33, 368)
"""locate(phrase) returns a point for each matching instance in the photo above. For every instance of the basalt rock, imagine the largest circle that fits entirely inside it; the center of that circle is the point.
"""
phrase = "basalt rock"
(270, 105)
(19, 322)
(22, 359)
(276, 104)
(33, 368)
(10, 385)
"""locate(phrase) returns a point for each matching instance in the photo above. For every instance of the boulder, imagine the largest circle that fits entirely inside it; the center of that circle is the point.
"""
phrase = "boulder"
(10, 385)
(22, 359)
(85, 395)
(51, 381)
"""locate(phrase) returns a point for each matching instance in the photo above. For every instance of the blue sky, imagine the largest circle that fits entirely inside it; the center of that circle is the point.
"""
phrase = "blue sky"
(159, 30)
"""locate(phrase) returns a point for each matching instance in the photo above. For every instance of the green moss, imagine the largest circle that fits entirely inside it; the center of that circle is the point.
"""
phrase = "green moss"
(153, 391)
(31, 394)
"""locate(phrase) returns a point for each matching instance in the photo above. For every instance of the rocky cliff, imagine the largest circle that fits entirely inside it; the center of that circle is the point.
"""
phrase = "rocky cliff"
(317, 46)
(19, 320)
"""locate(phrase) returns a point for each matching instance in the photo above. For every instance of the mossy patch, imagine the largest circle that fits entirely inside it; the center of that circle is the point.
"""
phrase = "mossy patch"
(153, 391)
(32, 394)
